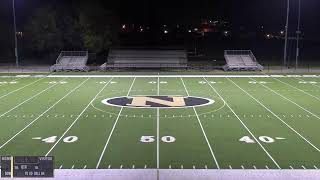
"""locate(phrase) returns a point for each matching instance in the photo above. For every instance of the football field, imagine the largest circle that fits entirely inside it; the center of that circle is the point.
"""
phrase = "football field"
(163, 122)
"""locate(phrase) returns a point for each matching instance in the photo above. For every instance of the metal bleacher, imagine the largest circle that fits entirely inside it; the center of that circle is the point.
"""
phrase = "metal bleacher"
(132, 58)
(71, 61)
(241, 60)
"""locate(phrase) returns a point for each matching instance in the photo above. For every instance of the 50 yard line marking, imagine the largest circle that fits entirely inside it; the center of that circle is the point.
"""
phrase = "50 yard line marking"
(305, 139)
(71, 91)
(30, 98)
(62, 136)
(114, 126)
(262, 147)
(204, 133)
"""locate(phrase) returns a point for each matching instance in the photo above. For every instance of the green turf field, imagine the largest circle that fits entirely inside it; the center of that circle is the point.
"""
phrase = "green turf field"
(255, 122)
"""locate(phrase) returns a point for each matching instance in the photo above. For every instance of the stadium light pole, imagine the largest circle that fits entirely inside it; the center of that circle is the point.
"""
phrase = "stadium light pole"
(298, 34)
(286, 35)
(15, 33)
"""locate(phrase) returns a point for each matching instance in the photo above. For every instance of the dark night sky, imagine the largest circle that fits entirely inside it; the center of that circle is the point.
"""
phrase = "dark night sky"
(270, 13)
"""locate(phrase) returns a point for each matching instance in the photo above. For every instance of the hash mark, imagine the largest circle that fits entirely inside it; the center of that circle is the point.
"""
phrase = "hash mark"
(193, 166)
(170, 166)
(206, 167)
(60, 167)
(121, 166)
(315, 167)
(145, 166)
(109, 166)
(85, 167)
(254, 167)
(267, 167)
(181, 166)
(133, 166)
(242, 166)
(72, 167)
(230, 167)
(303, 167)
(291, 167)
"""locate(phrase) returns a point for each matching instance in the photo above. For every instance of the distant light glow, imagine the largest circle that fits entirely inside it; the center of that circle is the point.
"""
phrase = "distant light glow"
(166, 31)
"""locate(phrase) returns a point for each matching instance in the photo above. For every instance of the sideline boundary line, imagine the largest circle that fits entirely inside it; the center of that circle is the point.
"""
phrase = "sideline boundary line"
(70, 92)
(291, 128)
(113, 128)
(187, 75)
(78, 117)
(203, 131)
(263, 148)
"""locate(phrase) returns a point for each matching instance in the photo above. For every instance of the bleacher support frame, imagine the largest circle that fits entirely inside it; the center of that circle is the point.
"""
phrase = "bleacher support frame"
(73, 55)
(146, 59)
(254, 66)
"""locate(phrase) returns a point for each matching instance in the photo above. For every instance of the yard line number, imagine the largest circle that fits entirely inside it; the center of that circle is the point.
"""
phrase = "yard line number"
(151, 139)
(258, 82)
(53, 139)
(264, 139)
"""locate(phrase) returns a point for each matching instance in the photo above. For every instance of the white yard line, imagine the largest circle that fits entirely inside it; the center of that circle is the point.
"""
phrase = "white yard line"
(21, 88)
(158, 127)
(204, 133)
(43, 113)
(113, 128)
(78, 117)
(289, 100)
(253, 136)
(29, 99)
(291, 128)
(298, 89)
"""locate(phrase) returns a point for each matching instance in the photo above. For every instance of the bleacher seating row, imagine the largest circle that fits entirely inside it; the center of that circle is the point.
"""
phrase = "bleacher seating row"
(241, 60)
(71, 61)
(128, 58)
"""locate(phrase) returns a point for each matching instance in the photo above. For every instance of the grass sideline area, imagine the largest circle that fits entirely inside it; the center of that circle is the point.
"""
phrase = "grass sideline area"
(254, 122)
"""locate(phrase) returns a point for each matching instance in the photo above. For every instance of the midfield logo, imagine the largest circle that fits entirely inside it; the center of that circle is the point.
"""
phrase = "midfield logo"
(158, 101)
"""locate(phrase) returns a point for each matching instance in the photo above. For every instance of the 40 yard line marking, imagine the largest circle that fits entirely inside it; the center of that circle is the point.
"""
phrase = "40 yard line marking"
(62, 136)
(289, 100)
(29, 99)
(204, 133)
(114, 126)
(262, 147)
(311, 84)
(43, 113)
(298, 89)
(21, 88)
(305, 139)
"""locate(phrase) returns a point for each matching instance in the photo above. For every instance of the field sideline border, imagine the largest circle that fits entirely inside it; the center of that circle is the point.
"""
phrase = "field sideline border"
(186, 174)
(174, 76)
